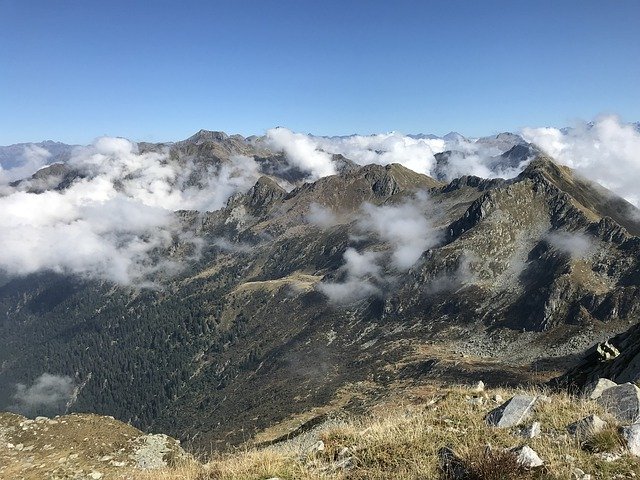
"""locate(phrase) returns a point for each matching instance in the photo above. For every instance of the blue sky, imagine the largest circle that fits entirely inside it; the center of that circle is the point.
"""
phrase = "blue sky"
(161, 70)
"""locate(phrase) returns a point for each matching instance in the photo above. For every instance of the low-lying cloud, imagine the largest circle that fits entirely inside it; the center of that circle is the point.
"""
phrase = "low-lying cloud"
(111, 220)
(47, 395)
(576, 245)
(301, 151)
(108, 223)
(404, 229)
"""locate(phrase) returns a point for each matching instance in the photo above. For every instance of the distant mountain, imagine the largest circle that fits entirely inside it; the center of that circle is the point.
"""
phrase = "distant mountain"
(298, 296)
(503, 141)
(11, 155)
(454, 137)
(423, 136)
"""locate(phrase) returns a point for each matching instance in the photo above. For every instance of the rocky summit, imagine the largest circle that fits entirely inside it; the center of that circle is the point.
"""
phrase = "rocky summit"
(300, 296)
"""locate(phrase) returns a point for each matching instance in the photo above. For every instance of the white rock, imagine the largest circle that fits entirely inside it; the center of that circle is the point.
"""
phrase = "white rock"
(623, 402)
(594, 390)
(631, 435)
(478, 387)
(316, 447)
(528, 458)
(608, 456)
(96, 475)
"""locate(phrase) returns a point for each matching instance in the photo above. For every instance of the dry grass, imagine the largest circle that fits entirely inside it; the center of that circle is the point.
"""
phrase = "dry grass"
(403, 442)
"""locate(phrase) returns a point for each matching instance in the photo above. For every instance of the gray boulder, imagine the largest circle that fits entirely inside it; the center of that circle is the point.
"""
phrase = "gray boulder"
(594, 390)
(586, 426)
(512, 412)
(623, 402)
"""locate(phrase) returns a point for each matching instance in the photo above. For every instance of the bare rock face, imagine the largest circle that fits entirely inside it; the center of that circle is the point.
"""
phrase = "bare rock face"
(80, 446)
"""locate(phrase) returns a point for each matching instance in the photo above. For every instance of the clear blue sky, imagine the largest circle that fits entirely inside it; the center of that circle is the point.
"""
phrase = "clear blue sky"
(161, 70)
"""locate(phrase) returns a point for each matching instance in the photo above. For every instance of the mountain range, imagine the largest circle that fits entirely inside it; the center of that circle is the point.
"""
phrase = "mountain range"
(288, 282)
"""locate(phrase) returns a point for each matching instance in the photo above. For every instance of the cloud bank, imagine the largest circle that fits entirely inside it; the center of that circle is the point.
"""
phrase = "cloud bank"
(115, 215)
(109, 222)
(606, 151)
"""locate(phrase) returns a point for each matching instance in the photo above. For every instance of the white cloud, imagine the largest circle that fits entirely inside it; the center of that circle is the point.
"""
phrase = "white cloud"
(321, 216)
(107, 224)
(301, 151)
(383, 149)
(575, 244)
(405, 227)
(362, 273)
(608, 152)
(47, 394)
(312, 154)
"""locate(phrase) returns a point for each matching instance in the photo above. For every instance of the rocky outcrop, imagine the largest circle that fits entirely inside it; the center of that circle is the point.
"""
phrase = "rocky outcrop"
(80, 446)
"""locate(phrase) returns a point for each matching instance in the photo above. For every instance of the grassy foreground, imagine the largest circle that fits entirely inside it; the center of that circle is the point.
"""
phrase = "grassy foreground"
(403, 441)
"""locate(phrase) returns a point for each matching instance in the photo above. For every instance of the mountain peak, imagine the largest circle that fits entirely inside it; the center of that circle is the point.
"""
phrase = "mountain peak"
(454, 137)
(208, 136)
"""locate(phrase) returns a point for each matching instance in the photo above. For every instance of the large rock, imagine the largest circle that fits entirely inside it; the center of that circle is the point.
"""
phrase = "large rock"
(512, 412)
(631, 435)
(528, 458)
(594, 390)
(623, 402)
(586, 426)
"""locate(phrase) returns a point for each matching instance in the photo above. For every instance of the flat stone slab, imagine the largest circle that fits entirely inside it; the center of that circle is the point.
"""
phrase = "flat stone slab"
(512, 412)
(623, 402)
(594, 390)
